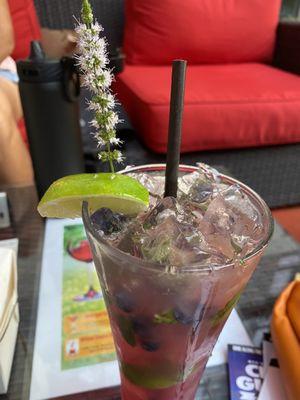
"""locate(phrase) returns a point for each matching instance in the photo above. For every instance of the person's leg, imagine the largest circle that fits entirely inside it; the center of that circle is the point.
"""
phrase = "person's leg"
(15, 161)
(11, 91)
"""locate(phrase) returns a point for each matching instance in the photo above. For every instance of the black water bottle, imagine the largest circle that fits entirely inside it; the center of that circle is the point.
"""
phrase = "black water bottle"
(49, 92)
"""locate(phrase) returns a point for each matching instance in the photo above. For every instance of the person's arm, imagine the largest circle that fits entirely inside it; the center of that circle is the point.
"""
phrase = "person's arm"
(6, 31)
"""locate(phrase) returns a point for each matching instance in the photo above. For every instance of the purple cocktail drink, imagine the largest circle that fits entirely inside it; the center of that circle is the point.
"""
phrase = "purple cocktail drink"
(171, 276)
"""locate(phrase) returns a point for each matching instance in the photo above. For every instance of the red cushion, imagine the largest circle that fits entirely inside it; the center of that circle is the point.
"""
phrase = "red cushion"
(26, 26)
(201, 31)
(226, 106)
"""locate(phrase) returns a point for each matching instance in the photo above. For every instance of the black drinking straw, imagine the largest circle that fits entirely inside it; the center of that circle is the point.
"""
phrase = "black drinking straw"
(175, 123)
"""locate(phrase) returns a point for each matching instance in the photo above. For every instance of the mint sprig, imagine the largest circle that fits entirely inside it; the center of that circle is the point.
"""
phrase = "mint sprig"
(167, 317)
(97, 77)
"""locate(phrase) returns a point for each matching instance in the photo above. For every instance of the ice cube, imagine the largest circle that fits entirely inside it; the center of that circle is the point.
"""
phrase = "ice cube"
(231, 223)
(154, 183)
(210, 174)
(222, 244)
(186, 182)
(127, 241)
(210, 222)
(167, 244)
(163, 209)
(202, 192)
(246, 217)
(169, 236)
(108, 222)
(156, 247)
(196, 186)
(187, 255)
(219, 216)
(148, 235)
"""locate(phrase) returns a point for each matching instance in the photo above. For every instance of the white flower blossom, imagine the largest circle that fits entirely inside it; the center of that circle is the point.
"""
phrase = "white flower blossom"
(97, 77)
(116, 141)
(119, 158)
(112, 121)
(100, 141)
(108, 102)
(90, 83)
(96, 29)
(94, 124)
(107, 78)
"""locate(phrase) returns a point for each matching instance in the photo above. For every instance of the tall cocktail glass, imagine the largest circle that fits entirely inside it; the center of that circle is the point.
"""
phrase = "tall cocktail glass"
(165, 322)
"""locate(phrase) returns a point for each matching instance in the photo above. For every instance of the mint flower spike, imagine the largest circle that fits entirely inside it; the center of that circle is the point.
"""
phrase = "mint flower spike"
(86, 12)
(97, 77)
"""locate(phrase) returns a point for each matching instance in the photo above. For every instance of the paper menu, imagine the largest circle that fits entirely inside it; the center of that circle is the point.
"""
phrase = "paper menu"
(10, 244)
(48, 379)
(9, 314)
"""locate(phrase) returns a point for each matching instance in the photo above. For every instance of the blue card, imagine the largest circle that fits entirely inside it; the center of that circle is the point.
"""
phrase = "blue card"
(245, 371)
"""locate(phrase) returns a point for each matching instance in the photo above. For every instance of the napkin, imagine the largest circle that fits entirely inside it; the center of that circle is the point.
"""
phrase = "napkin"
(285, 327)
(9, 313)
(8, 280)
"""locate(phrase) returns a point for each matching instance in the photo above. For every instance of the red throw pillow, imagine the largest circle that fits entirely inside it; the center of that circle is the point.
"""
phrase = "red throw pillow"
(201, 31)
(26, 26)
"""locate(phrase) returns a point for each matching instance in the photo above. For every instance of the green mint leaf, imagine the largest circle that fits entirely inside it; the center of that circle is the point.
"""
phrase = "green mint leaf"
(165, 318)
(237, 249)
(202, 206)
(158, 250)
(221, 315)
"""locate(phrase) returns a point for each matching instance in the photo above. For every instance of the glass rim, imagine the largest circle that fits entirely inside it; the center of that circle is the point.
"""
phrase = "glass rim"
(192, 267)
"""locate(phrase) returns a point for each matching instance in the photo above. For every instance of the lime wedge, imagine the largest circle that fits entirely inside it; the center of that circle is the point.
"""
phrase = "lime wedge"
(151, 377)
(161, 375)
(120, 193)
